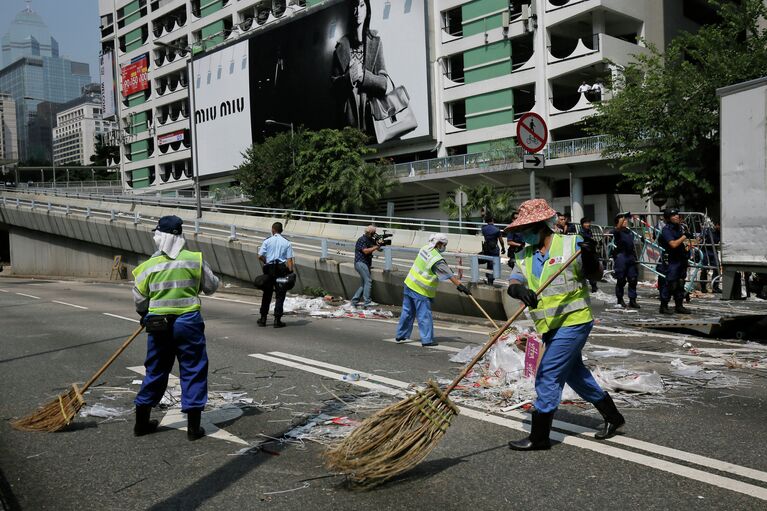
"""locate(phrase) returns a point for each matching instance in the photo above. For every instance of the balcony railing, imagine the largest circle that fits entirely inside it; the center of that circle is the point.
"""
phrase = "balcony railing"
(559, 149)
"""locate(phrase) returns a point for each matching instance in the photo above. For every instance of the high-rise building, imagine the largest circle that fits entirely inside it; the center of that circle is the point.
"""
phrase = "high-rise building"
(460, 74)
(33, 73)
(9, 142)
(78, 123)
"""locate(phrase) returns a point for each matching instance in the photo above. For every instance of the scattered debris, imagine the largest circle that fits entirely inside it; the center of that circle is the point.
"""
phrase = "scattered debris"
(323, 307)
(99, 410)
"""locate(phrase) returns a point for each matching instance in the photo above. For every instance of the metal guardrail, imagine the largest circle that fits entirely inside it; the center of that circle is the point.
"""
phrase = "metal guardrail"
(395, 258)
(388, 222)
(559, 149)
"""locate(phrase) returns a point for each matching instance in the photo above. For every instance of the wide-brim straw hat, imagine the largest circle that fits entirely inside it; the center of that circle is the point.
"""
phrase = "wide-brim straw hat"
(532, 211)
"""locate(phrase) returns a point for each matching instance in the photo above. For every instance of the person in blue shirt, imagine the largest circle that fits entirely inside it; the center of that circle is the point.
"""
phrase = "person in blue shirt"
(276, 254)
(588, 235)
(675, 261)
(625, 267)
(492, 239)
(363, 261)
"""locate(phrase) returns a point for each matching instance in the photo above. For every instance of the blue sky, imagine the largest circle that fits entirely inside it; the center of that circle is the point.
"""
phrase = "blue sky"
(73, 23)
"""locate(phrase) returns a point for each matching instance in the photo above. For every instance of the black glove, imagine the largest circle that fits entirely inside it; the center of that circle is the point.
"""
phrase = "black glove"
(463, 289)
(142, 321)
(523, 294)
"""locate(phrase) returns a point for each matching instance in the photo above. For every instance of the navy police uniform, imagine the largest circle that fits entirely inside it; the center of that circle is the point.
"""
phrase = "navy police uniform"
(625, 267)
(675, 262)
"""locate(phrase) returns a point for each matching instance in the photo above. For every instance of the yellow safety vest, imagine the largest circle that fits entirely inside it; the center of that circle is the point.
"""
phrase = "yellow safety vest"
(421, 278)
(172, 285)
(565, 302)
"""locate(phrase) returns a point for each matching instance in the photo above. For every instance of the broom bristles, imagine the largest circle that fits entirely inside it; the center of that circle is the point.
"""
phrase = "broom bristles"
(54, 415)
(394, 439)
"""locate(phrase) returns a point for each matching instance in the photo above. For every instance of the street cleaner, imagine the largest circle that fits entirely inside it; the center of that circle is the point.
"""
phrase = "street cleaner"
(166, 294)
(429, 268)
(562, 316)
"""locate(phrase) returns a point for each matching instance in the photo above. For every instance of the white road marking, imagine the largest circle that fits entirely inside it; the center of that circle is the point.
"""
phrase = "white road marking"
(70, 304)
(4, 291)
(228, 300)
(173, 418)
(440, 347)
(577, 441)
(132, 320)
(28, 296)
(679, 337)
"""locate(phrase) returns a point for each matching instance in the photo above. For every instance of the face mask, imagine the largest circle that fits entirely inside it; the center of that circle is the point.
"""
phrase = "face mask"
(157, 239)
(440, 250)
(530, 237)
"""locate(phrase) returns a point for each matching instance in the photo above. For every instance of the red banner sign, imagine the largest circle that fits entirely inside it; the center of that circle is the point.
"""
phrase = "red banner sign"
(169, 138)
(134, 76)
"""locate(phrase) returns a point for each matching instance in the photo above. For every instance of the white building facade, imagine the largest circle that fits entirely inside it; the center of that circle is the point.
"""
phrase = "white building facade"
(489, 62)
(76, 130)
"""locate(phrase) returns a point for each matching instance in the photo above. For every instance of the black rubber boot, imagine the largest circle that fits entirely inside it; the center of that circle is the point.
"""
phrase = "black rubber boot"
(633, 304)
(613, 418)
(681, 309)
(144, 426)
(539, 434)
(261, 321)
(621, 302)
(278, 323)
(193, 429)
(594, 288)
(664, 308)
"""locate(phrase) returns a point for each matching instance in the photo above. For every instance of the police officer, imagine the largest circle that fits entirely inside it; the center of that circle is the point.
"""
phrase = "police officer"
(421, 284)
(562, 316)
(675, 258)
(625, 267)
(492, 237)
(276, 254)
(588, 235)
(166, 296)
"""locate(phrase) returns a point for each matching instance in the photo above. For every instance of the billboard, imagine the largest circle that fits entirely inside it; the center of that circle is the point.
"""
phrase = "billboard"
(134, 76)
(107, 85)
(359, 63)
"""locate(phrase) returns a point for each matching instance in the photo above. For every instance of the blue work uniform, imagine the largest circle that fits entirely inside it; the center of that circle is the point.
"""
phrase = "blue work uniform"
(490, 235)
(625, 267)
(417, 307)
(562, 361)
(675, 264)
(185, 341)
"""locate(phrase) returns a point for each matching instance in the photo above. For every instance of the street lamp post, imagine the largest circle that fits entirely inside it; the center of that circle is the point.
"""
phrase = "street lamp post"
(270, 122)
(192, 108)
(50, 126)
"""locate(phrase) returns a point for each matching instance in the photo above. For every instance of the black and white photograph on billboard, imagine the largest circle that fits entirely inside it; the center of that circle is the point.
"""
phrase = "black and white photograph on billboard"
(222, 108)
(359, 63)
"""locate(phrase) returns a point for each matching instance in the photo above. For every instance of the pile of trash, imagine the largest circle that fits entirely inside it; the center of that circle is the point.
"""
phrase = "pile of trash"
(330, 307)
(505, 378)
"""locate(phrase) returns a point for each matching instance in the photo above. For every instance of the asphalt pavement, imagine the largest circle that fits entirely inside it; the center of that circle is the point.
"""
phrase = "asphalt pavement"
(700, 444)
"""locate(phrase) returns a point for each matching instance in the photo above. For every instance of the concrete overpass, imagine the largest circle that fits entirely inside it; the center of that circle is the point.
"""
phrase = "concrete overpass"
(50, 235)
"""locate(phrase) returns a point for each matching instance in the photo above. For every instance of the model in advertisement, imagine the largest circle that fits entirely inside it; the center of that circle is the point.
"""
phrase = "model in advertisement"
(359, 72)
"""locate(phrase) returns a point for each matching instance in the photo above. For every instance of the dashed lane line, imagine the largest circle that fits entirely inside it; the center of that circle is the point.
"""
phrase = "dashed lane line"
(28, 296)
(577, 441)
(70, 305)
(121, 317)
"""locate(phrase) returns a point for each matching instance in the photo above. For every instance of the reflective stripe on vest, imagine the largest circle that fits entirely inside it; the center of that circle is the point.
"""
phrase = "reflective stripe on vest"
(171, 285)
(421, 278)
(565, 302)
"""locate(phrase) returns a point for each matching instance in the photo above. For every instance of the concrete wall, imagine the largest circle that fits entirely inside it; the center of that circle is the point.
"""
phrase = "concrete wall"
(51, 243)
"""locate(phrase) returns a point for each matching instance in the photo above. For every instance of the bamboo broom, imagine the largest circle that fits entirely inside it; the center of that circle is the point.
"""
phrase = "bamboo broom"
(397, 438)
(59, 413)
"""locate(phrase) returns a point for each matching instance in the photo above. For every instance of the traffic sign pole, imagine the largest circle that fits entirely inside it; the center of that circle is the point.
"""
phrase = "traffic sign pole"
(532, 135)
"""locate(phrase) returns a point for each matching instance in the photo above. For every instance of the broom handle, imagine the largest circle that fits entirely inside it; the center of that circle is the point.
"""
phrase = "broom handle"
(111, 359)
(500, 332)
(483, 312)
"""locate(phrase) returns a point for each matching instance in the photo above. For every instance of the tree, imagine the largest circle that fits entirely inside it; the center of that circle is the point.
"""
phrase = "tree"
(330, 172)
(332, 175)
(104, 153)
(663, 122)
(267, 167)
(499, 202)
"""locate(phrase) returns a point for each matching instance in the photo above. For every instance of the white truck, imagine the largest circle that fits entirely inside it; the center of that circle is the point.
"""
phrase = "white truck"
(743, 182)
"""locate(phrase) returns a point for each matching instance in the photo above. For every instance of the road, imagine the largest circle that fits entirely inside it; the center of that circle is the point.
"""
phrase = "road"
(700, 443)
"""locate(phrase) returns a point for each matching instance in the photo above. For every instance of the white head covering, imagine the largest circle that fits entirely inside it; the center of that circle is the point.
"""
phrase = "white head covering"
(169, 244)
(437, 238)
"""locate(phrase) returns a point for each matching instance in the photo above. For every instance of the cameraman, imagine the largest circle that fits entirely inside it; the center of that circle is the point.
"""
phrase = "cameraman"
(363, 260)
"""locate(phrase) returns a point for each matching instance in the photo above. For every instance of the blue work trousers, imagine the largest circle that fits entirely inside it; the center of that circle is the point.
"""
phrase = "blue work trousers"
(626, 271)
(416, 306)
(187, 343)
(562, 363)
(367, 283)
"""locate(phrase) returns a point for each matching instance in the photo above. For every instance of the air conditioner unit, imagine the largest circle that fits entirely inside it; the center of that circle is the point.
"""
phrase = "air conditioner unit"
(505, 19)
(525, 12)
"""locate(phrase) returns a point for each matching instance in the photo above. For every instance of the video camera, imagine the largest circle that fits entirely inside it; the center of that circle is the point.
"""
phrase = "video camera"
(382, 240)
